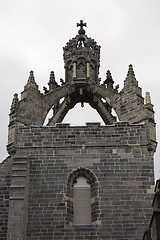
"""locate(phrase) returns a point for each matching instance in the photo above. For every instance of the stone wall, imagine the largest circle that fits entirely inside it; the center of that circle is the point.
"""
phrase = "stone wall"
(5, 174)
(121, 167)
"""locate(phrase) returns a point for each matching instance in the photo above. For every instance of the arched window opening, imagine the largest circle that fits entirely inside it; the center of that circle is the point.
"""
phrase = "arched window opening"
(83, 198)
(82, 202)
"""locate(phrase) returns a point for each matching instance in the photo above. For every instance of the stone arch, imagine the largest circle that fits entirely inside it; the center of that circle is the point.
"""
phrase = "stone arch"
(65, 107)
(50, 99)
(112, 98)
(80, 39)
(95, 193)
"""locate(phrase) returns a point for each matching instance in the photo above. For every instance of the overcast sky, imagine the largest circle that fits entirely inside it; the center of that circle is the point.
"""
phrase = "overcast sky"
(33, 33)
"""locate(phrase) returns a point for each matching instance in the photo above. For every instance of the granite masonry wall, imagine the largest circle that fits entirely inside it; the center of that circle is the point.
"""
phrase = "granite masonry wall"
(116, 160)
(5, 178)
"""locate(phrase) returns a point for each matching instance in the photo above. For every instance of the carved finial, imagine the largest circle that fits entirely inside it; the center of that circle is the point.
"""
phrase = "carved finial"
(62, 81)
(81, 25)
(109, 76)
(130, 79)
(45, 90)
(31, 77)
(109, 81)
(52, 82)
(130, 71)
(147, 98)
(52, 77)
(15, 103)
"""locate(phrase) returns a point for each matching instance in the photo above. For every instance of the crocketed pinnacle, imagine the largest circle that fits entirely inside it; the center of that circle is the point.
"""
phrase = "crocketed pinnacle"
(15, 103)
(109, 77)
(109, 80)
(31, 77)
(52, 77)
(147, 98)
(130, 71)
(52, 82)
(130, 79)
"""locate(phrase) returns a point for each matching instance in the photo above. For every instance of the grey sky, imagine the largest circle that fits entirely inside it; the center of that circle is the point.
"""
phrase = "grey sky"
(33, 34)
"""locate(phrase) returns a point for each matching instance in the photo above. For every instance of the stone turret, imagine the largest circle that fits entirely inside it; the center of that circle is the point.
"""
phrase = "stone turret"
(27, 111)
(134, 109)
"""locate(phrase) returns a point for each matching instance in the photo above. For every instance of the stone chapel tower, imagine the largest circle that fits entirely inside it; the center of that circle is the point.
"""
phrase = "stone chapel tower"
(85, 182)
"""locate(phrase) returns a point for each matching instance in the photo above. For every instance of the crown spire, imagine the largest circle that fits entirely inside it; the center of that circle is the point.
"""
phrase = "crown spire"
(81, 57)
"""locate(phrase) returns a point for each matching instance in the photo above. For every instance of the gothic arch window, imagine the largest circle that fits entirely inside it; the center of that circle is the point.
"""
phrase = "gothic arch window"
(82, 194)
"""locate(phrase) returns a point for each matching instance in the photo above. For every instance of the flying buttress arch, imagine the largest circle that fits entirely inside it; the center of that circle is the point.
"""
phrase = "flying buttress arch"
(72, 95)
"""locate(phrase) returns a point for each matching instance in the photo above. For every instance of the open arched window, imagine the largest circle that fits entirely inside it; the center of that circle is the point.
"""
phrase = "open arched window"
(82, 202)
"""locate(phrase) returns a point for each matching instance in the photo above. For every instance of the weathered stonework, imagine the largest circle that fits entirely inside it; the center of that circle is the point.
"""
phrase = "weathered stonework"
(5, 179)
(117, 159)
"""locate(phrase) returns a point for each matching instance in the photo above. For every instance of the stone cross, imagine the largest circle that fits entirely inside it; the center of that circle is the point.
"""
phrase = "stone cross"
(81, 25)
